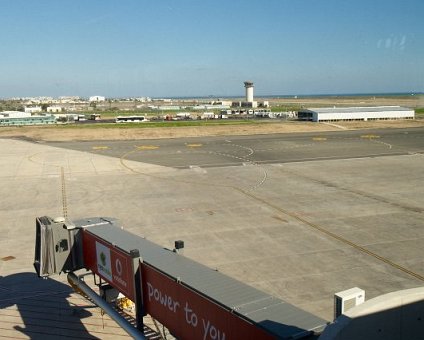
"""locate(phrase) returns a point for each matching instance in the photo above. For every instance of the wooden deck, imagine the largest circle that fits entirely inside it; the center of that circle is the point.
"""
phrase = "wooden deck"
(32, 308)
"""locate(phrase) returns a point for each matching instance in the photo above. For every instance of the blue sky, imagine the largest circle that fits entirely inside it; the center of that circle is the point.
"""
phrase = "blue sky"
(170, 48)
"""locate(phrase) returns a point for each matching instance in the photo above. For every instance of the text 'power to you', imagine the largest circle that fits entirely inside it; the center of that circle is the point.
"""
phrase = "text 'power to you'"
(210, 331)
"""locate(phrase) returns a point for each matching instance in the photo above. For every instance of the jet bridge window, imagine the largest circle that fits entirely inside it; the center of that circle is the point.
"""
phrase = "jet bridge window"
(62, 246)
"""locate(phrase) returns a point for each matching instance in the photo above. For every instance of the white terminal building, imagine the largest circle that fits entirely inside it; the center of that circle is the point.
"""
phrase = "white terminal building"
(356, 113)
(97, 99)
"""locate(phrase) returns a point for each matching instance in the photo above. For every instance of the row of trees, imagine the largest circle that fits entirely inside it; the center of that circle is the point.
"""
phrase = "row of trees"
(11, 105)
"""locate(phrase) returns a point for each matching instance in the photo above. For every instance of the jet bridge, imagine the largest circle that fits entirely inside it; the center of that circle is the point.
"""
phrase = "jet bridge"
(191, 300)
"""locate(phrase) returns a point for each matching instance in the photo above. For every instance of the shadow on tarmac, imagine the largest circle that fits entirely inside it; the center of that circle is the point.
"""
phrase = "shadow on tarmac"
(42, 306)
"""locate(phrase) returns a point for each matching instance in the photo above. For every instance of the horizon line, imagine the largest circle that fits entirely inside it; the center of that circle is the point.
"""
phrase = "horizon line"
(368, 94)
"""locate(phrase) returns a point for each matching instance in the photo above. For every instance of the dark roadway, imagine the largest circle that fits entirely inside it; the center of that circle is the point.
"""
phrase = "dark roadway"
(274, 148)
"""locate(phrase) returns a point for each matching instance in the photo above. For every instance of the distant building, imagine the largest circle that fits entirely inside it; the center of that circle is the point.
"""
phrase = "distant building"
(222, 102)
(168, 107)
(143, 99)
(14, 114)
(356, 113)
(54, 109)
(252, 105)
(97, 99)
(17, 118)
(33, 109)
(69, 99)
(37, 100)
(210, 107)
(249, 90)
(249, 101)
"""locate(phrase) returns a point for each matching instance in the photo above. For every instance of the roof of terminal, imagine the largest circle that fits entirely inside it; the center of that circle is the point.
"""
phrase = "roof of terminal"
(358, 109)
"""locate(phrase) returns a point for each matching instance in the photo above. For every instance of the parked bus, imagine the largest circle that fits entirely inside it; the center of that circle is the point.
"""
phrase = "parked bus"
(131, 119)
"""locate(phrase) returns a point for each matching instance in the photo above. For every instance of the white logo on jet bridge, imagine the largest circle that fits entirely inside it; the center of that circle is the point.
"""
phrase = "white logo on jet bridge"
(103, 261)
(118, 266)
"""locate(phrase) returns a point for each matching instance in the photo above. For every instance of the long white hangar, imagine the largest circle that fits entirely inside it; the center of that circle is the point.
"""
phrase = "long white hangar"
(356, 113)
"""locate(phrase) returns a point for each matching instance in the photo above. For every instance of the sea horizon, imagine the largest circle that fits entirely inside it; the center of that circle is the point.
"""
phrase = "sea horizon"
(241, 96)
(283, 96)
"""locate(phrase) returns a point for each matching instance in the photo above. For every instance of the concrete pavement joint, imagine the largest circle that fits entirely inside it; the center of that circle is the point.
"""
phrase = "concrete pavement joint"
(305, 222)
(357, 192)
(298, 218)
(337, 237)
(64, 199)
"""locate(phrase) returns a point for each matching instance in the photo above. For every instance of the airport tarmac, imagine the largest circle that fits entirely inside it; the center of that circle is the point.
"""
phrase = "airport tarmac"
(300, 216)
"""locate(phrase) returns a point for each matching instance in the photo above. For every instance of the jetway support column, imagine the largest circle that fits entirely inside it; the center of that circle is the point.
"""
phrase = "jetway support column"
(139, 306)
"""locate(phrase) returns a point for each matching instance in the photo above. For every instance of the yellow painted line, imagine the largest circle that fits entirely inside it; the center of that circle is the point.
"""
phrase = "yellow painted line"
(101, 147)
(319, 138)
(370, 136)
(147, 147)
(64, 200)
(194, 145)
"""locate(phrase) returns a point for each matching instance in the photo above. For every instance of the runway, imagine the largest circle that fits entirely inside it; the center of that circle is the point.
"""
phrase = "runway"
(209, 152)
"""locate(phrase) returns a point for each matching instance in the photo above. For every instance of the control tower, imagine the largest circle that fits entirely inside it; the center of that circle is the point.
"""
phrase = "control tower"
(249, 91)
